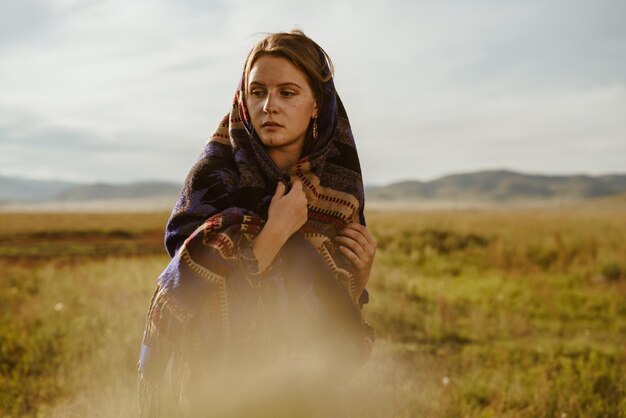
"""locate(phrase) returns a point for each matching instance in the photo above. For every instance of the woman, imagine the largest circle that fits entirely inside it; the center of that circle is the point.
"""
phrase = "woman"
(270, 253)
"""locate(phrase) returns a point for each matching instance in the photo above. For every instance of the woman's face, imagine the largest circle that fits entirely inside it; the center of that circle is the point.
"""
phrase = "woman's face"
(281, 104)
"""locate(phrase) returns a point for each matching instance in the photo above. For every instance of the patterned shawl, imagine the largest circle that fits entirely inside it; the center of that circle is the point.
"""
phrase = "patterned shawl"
(212, 306)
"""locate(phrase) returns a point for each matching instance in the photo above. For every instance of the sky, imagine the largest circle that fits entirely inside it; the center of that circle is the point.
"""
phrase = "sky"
(121, 91)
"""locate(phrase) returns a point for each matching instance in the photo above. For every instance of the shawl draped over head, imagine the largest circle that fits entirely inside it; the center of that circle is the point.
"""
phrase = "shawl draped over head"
(211, 305)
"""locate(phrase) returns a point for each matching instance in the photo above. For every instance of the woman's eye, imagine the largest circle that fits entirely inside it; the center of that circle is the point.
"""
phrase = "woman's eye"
(257, 92)
(288, 93)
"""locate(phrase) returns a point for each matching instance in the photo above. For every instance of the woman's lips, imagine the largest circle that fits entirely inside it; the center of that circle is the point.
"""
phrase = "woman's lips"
(271, 125)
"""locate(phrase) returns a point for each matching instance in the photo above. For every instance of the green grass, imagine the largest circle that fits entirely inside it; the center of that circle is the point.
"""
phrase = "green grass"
(71, 333)
(479, 314)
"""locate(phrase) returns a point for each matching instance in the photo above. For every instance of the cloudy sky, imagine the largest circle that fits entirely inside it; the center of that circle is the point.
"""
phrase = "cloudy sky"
(116, 90)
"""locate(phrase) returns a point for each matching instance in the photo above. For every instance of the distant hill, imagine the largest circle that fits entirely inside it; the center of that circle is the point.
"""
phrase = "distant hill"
(102, 191)
(484, 188)
(501, 186)
(608, 202)
(23, 190)
(28, 190)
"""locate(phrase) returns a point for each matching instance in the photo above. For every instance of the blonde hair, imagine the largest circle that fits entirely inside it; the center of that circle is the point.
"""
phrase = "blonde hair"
(301, 51)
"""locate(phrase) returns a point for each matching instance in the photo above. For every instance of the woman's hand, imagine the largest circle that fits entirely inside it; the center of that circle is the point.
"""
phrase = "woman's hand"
(359, 247)
(286, 214)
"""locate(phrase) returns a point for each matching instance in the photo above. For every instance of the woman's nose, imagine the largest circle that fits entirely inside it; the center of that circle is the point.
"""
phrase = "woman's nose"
(269, 106)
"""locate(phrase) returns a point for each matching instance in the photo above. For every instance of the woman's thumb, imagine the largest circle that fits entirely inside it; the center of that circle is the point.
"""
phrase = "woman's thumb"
(280, 190)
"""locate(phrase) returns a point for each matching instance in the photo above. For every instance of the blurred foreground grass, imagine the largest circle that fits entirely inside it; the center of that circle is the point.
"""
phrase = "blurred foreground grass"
(479, 314)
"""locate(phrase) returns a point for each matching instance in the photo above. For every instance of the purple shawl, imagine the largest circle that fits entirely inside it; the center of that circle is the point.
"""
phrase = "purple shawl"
(211, 304)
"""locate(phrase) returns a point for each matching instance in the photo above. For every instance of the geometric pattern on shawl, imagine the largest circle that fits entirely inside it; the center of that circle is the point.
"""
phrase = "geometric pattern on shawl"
(211, 303)
(207, 299)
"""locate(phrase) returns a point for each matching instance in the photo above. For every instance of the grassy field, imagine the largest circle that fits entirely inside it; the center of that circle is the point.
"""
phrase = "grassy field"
(479, 314)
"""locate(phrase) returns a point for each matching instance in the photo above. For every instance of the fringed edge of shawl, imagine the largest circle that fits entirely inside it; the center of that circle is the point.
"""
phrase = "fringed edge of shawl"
(149, 397)
(164, 322)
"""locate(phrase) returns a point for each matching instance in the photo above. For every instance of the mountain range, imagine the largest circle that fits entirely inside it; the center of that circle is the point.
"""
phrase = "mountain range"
(18, 189)
(492, 187)
(502, 186)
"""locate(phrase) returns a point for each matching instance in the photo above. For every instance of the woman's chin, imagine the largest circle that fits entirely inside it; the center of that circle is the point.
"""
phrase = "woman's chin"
(272, 140)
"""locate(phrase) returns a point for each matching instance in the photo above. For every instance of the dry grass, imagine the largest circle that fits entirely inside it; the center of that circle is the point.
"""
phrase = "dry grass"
(508, 314)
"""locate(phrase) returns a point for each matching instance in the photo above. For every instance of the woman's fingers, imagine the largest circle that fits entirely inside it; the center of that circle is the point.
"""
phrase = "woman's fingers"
(357, 227)
(360, 237)
(280, 190)
(357, 244)
(353, 245)
(354, 259)
(297, 193)
(288, 211)
(296, 187)
(354, 235)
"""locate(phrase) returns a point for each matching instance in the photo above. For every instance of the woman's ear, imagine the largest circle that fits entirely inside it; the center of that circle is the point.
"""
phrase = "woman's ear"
(315, 110)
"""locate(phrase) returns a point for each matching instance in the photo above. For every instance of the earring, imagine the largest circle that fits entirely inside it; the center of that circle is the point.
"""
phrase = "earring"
(315, 133)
